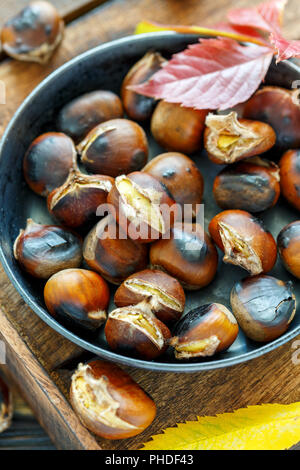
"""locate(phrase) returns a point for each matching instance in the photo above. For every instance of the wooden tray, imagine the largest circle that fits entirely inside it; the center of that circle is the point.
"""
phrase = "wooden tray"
(40, 360)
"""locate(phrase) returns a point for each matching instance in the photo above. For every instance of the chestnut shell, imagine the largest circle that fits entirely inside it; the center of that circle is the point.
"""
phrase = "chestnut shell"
(288, 242)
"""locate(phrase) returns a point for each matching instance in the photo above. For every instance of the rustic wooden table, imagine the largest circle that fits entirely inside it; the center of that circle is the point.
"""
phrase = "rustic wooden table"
(40, 360)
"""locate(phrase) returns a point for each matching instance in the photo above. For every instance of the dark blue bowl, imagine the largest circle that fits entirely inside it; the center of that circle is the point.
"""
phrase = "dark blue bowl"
(104, 67)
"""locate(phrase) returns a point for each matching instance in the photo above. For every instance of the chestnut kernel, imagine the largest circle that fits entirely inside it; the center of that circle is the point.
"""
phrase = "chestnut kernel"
(47, 162)
(34, 33)
(244, 241)
(139, 107)
(204, 331)
(114, 147)
(77, 296)
(164, 293)
(43, 250)
(228, 139)
(290, 177)
(189, 255)
(142, 206)
(279, 108)
(263, 306)
(176, 128)
(109, 251)
(6, 406)
(75, 203)
(82, 114)
(288, 242)
(136, 331)
(108, 401)
(252, 185)
(180, 175)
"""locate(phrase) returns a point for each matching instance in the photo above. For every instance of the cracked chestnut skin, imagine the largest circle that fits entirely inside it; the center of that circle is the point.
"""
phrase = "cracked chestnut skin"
(78, 117)
(290, 177)
(177, 128)
(249, 245)
(263, 306)
(114, 147)
(252, 185)
(34, 33)
(124, 408)
(77, 296)
(48, 161)
(139, 107)
(204, 331)
(279, 108)
(189, 255)
(181, 176)
(6, 406)
(43, 250)
(288, 242)
(147, 280)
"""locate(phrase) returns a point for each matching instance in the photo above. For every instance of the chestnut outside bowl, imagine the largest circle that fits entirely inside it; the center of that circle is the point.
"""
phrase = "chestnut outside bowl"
(105, 67)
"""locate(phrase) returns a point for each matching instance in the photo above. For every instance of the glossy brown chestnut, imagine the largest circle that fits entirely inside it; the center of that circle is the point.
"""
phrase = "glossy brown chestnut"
(108, 402)
(228, 139)
(82, 114)
(204, 331)
(182, 178)
(288, 242)
(279, 108)
(136, 331)
(264, 306)
(48, 161)
(252, 185)
(43, 250)
(290, 177)
(114, 147)
(139, 107)
(75, 203)
(164, 293)
(177, 128)
(188, 255)
(142, 206)
(109, 251)
(6, 406)
(34, 33)
(244, 241)
(77, 296)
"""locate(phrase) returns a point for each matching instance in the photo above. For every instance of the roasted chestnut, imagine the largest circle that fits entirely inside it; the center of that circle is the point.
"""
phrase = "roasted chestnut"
(204, 331)
(142, 206)
(135, 330)
(188, 255)
(109, 251)
(288, 242)
(82, 114)
(177, 128)
(108, 402)
(279, 108)
(264, 306)
(139, 107)
(244, 241)
(6, 406)
(164, 293)
(228, 139)
(75, 203)
(34, 33)
(114, 147)
(182, 178)
(290, 177)
(77, 296)
(252, 185)
(43, 250)
(48, 161)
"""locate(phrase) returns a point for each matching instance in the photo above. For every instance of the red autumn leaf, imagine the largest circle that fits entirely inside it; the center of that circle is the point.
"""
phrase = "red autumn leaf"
(285, 48)
(242, 31)
(266, 16)
(213, 74)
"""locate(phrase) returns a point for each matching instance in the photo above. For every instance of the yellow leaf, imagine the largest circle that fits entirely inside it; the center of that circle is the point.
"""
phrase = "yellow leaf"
(264, 427)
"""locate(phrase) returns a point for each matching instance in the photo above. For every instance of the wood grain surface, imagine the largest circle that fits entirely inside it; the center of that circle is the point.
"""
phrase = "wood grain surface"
(40, 359)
